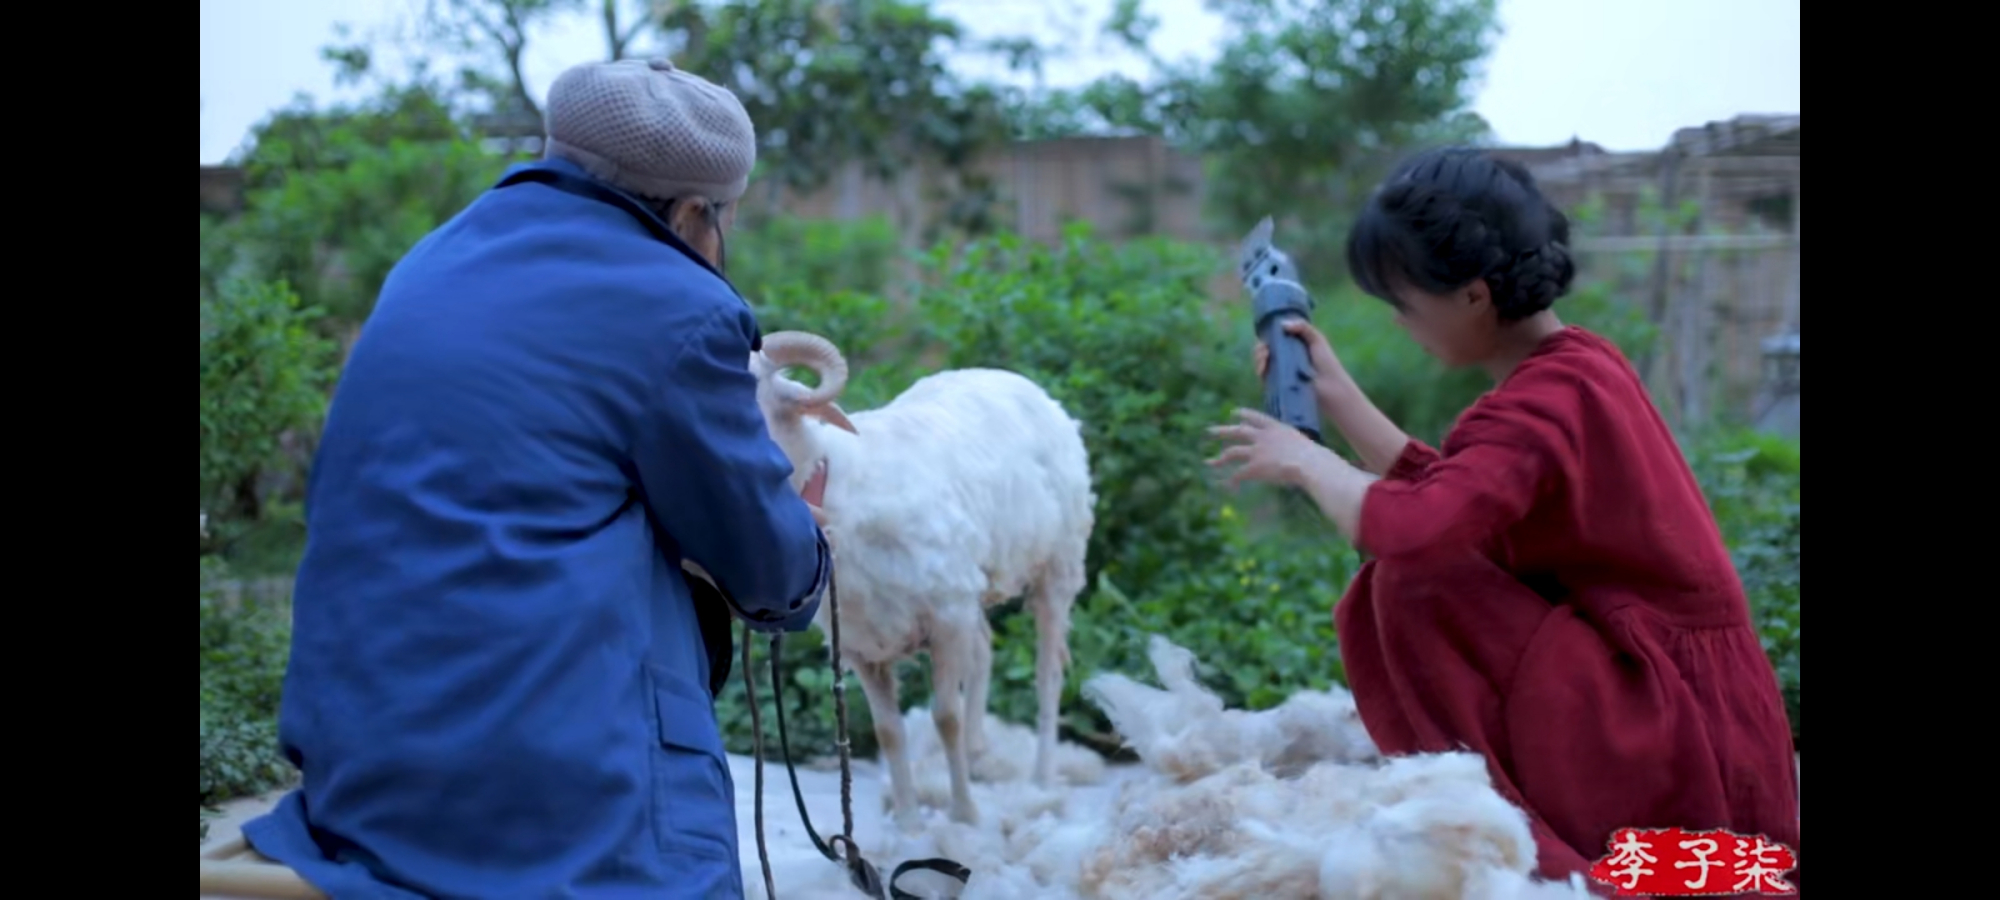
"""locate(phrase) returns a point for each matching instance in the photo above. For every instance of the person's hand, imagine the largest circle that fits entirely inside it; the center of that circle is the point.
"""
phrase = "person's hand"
(814, 493)
(814, 490)
(1325, 364)
(1265, 449)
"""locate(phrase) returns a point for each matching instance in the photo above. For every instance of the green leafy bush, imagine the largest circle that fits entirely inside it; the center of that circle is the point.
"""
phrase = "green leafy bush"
(243, 653)
(1127, 338)
(1752, 482)
(1124, 338)
(334, 197)
(793, 258)
(339, 231)
(265, 373)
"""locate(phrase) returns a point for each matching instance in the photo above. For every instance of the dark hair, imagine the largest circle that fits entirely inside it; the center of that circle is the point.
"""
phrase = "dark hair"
(1449, 216)
(695, 219)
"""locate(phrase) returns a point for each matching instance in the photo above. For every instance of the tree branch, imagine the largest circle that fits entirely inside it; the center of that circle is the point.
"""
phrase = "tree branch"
(515, 45)
(621, 40)
(614, 38)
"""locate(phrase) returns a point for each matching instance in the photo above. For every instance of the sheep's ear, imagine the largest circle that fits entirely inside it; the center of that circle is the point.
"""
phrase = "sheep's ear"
(830, 414)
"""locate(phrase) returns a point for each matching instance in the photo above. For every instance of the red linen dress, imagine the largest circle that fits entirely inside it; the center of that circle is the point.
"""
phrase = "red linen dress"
(1552, 592)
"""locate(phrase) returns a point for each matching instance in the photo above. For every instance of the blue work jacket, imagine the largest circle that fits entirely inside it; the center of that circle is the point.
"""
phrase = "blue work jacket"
(499, 684)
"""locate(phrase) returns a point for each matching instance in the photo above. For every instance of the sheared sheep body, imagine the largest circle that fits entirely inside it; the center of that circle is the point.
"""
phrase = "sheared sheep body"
(969, 489)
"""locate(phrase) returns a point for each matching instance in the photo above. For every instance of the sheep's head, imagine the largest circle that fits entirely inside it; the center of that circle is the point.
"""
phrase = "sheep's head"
(782, 397)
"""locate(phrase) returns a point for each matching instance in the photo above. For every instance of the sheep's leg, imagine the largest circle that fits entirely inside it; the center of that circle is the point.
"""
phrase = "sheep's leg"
(1051, 607)
(950, 662)
(978, 680)
(878, 682)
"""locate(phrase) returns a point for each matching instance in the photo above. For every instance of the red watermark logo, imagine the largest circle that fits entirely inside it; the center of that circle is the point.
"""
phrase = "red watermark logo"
(1670, 862)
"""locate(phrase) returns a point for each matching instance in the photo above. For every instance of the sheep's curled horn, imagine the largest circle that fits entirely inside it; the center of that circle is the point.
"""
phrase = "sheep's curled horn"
(799, 348)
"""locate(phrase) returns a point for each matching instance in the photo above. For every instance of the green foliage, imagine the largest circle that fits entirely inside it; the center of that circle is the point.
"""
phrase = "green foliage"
(335, 197)
(1258, 616)
(218, 256)
(786, 257)
(343, 229)
(264, 373)
(243, 653)
(1126, 338)
(1752, 483)
(808, 699)
(303, 137)
(860, 82)
(1304, 106)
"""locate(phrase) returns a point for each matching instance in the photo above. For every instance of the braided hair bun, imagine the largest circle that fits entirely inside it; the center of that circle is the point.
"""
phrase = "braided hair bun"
(1450, 216)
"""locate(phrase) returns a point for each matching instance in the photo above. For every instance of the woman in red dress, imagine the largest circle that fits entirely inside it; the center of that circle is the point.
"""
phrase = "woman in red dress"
(1549, 588)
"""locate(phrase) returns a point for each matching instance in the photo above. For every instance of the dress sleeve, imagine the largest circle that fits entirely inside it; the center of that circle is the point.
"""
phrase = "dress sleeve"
(1411, 463)
(1503, 457)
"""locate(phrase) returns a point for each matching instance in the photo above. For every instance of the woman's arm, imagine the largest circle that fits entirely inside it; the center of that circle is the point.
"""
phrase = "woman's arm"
(1338, 488)
(1458, 502)
(1374, 438)
(1384, 449)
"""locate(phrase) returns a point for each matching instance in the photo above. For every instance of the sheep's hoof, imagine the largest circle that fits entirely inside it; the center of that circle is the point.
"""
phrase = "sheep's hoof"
(908, 821)
(964, 813)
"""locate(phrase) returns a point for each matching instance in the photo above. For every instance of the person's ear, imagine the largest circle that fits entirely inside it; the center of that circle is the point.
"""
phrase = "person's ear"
(695, 221)
(1478, 294)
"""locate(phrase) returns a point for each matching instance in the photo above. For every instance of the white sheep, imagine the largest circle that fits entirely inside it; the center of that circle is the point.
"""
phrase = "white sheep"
(970, 489)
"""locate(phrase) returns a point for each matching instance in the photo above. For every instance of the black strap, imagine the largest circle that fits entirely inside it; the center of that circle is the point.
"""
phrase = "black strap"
(861, 873)
(936, 864)
(711, 613)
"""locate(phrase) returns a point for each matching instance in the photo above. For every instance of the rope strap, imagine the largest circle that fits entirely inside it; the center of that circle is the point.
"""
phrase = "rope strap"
(860, 872)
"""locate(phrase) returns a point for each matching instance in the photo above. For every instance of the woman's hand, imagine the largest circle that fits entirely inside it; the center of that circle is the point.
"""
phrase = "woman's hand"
(1326, 366)
(1270, 450)
(1266, 450)
(1375, 439)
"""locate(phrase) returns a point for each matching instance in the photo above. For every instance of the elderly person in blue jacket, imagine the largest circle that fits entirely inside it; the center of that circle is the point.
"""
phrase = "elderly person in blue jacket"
(501, 681)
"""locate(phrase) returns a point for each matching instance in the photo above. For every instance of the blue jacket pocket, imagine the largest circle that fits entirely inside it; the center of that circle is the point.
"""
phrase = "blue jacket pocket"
(694, 799)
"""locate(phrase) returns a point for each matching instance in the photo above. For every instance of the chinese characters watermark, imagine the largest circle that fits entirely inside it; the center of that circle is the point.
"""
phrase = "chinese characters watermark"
(1671, 862)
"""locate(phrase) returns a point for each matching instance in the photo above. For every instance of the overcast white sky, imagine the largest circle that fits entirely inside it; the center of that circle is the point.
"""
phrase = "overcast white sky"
(1622, 73)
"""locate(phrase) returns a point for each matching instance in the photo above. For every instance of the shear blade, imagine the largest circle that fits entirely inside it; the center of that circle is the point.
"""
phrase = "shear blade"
(1254, 244)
